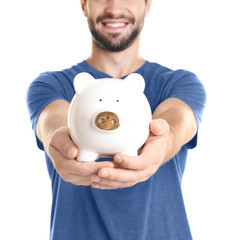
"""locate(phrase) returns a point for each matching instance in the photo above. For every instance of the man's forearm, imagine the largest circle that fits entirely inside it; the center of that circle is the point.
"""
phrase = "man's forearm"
(182, 123)
(53, 117)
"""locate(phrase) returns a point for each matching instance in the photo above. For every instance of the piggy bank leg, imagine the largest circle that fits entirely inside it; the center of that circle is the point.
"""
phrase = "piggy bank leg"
(86, 156)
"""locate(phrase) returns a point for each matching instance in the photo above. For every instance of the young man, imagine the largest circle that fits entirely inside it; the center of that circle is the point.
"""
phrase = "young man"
(143, 199)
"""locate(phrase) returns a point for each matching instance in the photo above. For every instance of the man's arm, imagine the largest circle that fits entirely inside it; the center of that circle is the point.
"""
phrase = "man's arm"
(182, 123)
(173, 125)
(52, 131)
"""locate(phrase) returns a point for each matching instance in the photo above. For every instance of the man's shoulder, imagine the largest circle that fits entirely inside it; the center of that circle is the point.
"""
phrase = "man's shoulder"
(66, 75)
(158, 71)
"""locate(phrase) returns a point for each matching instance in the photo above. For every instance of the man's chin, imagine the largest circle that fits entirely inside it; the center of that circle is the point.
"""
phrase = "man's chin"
(114, 43)
(112, 47)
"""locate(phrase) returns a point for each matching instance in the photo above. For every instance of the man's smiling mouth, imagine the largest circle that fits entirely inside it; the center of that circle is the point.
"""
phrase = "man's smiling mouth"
(115, 25)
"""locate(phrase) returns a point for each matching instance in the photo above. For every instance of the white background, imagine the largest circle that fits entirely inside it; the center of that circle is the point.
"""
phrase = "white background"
(43, 35)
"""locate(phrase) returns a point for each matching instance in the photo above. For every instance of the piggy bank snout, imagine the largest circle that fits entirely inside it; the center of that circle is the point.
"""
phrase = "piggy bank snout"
(107, 121)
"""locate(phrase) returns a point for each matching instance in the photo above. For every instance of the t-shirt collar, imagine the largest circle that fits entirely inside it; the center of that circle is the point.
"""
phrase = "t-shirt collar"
(98, 74)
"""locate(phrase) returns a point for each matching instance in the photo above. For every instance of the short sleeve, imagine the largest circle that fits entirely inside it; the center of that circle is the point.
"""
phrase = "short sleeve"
(45, 89)
(186, 87)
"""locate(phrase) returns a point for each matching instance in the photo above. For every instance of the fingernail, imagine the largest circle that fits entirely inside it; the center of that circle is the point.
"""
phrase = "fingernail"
(118, 159)
(158, 125)
(70, 151)
(104, 174)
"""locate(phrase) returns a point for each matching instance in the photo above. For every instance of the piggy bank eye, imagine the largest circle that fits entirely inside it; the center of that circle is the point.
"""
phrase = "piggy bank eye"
(117, 100)
(100, 100)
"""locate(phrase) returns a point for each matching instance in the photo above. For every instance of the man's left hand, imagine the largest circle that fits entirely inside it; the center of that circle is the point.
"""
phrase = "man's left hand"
(131, 170)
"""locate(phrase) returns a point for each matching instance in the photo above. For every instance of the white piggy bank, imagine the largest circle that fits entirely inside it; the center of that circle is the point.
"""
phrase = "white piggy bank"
(108, 116)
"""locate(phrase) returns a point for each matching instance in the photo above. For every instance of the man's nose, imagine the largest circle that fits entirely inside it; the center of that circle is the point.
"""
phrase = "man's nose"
(114, 7)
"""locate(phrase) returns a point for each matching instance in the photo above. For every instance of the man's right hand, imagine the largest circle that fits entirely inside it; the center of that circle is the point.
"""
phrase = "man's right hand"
(53, 132)
(63, 152)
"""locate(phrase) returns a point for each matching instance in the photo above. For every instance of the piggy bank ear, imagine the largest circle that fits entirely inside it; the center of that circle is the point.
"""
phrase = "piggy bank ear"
(81, 81)
(135, 82)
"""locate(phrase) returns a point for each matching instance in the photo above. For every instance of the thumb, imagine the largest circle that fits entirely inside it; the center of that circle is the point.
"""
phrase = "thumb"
(159, 127)
(62, 142)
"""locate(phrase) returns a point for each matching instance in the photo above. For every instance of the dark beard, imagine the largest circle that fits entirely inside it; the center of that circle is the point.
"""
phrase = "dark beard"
(108, 45)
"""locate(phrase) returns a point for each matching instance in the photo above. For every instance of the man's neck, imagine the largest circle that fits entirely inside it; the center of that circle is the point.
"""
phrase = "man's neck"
(116, 64)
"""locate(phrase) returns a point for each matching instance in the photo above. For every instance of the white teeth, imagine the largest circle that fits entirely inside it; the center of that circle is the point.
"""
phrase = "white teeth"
(115, 25)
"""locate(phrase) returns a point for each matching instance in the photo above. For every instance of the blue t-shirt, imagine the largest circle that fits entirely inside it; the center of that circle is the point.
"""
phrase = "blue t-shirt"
(151, 210)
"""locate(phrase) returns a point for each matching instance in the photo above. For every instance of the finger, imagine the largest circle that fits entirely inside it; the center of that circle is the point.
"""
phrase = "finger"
(88, 168)
(159, 127)
(124, 175)
(141, 162)
(64, 165)
(113, 185)
(76, 179)
(101, 183)
(84, 168)
(61, 141)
